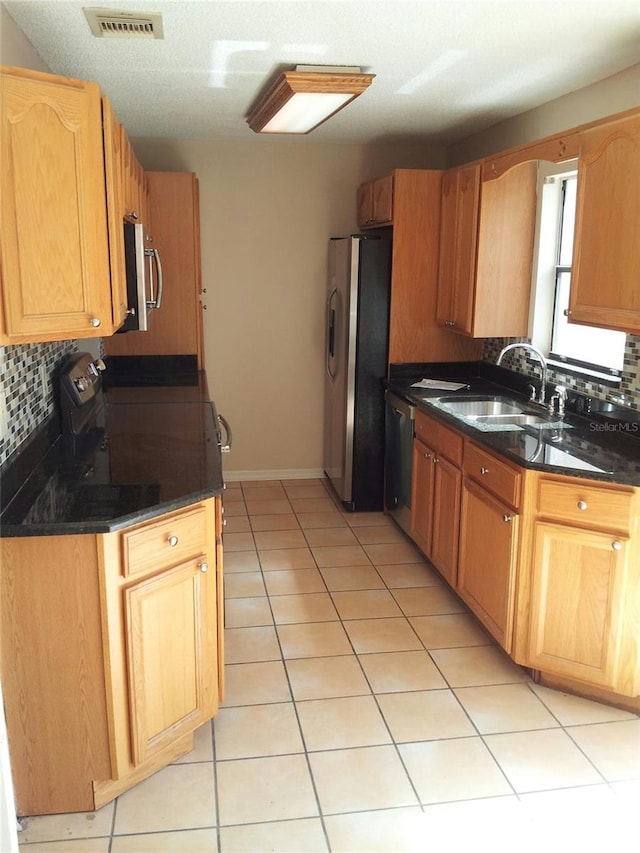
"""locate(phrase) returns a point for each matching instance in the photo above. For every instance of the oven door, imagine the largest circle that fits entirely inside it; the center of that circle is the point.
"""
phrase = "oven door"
(144, 277)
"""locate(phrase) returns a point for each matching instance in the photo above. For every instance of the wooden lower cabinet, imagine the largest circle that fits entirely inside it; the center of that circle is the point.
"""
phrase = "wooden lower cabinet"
(577, 588)
(109, 661)
(549, 564)
(436, 488)
(487, 560)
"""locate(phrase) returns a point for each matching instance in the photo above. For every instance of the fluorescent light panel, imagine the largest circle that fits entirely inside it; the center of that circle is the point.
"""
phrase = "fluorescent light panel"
(301, 100)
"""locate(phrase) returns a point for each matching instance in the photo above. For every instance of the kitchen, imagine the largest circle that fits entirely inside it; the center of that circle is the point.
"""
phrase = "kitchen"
(245, 385)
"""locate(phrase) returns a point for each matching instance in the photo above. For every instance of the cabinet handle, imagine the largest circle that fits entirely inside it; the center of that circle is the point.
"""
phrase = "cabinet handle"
(172, 540)
(427, 456)
(484, 470)
(567, 312)
(95, 322)
(506, 518)
(617, 546)
(204, 567)
(582, 505)
(435, 459)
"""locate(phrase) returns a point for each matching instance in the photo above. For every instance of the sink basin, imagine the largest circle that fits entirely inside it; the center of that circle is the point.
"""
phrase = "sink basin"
(476, 407)
(519, 419)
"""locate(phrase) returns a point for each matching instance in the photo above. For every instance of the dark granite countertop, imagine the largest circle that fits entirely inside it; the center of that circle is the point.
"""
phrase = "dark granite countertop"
(604, 447)
(151, 449)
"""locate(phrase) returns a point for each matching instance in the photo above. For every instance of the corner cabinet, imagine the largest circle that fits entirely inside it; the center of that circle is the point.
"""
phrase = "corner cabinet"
(56, 281)
(486, 249)
(606, 258)
(408, 202)
(118, 636)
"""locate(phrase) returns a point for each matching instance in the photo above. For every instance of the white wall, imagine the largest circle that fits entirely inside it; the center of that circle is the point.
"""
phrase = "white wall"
(613, 95)
(268, 208)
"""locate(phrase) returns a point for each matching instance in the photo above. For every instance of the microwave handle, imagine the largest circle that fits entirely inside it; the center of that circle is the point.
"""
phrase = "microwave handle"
(155, 300)
(156, 255)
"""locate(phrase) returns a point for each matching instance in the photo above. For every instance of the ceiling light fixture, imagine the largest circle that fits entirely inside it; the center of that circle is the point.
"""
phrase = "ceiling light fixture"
(300, 100)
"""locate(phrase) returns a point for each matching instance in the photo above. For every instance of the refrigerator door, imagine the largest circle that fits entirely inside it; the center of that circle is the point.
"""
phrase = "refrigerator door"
(357, 328)
(340, 351)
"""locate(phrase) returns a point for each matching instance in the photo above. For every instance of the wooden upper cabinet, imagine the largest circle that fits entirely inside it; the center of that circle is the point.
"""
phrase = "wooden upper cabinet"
(458, 242)
(55, 255)
(486, 250)
(605, 280)
(375, 202)
(114, 178)
(414, 333)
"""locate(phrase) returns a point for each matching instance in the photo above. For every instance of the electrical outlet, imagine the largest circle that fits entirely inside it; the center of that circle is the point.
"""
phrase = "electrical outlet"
(4, 416)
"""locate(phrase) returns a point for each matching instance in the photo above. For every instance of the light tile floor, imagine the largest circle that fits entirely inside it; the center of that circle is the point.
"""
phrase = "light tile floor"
(366, 710)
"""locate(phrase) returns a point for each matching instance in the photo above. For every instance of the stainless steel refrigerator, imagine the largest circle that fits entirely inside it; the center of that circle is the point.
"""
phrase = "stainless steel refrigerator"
(357, 339)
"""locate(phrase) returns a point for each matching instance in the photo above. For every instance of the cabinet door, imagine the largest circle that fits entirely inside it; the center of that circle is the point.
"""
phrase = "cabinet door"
(505, 252)
(446, 518)
(576, 603)
(422, 482)
(606, 254)
(365, 204)
(458, 241)
(171, 655)
(114, 178)
(486, 568)
(383, 200)
(447, 255)
(55, 259)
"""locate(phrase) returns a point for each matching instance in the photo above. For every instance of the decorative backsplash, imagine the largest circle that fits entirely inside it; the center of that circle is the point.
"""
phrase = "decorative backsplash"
(627, 394)
(28, 400)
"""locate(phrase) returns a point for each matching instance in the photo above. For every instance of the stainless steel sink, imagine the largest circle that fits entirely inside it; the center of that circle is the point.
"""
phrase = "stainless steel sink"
(482, 407)
(519, 419)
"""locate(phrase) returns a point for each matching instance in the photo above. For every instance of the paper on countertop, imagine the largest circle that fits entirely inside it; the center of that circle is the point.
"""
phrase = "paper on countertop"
(439, 384)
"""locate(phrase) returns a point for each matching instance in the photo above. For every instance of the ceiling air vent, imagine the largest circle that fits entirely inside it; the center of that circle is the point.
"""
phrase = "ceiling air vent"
(113, 24)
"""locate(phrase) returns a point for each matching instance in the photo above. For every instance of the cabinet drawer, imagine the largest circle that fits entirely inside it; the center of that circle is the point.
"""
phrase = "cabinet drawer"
(439, 437)
(587, 505)
(164, 543)
(493, 475)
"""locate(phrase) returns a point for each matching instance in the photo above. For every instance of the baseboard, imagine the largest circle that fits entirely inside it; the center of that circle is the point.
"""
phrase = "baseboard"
(290, 474)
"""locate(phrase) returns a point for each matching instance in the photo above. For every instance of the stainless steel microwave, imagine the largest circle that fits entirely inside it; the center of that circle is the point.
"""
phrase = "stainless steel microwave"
(144, 277)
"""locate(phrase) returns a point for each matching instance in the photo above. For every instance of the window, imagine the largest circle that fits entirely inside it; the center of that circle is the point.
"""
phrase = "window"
(598, 353)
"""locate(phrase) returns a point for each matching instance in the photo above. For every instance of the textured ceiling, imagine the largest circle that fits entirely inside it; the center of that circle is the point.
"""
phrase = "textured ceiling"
(443, 69)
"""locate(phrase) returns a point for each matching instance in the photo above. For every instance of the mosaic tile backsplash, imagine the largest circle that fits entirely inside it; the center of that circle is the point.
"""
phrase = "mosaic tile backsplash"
(627, 394)
(28, 404)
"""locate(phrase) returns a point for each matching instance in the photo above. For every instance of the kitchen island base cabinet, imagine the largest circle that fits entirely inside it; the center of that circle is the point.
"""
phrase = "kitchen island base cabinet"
(110, 660)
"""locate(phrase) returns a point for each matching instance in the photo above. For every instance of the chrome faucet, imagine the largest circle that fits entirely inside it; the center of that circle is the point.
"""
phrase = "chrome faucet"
(543, 366)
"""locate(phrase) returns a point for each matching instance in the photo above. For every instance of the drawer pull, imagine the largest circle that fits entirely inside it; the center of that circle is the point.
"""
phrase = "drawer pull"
(582, 505)
(204, 567)
(506, 518)
(172, 540)
(484, 470)
(617, 546)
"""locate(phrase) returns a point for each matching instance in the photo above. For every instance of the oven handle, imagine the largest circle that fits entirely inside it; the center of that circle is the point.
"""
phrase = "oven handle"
(225, 448)
(155, 301)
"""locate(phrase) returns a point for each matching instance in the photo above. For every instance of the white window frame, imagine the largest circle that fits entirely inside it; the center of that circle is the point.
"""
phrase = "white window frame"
(543, 289)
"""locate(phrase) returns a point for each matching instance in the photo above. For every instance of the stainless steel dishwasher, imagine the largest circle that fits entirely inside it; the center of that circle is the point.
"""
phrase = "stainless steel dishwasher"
(398, 458)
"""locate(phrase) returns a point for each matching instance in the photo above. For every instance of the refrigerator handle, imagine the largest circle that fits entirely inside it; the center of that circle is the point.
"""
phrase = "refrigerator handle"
(331, 333)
